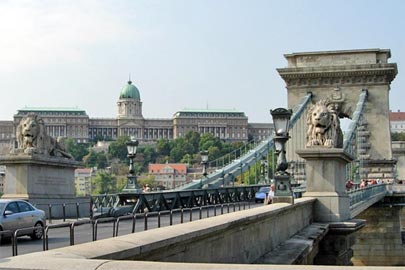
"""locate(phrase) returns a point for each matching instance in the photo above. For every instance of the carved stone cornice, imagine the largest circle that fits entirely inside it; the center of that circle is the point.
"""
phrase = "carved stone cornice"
(338, 75)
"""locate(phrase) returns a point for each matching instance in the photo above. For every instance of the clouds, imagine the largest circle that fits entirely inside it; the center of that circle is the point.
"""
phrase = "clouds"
(35, 34)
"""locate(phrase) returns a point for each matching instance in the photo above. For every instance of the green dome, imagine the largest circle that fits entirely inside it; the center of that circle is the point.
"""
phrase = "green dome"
(130, 91)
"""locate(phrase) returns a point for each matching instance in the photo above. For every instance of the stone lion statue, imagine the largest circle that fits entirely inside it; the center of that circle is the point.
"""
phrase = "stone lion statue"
(324, 125)
(32, 138)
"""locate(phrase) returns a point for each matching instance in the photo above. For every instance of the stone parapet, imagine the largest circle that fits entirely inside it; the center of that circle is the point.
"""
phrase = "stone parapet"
(38, 177)
(240, 237)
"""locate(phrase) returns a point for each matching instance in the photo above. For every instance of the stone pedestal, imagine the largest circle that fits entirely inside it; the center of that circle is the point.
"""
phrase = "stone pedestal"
(326, 177)
(38, 177)
(283, 192)
(336, 247)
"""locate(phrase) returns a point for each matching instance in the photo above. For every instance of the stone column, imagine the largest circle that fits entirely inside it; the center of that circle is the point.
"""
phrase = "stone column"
(326, 176)
(336, 247)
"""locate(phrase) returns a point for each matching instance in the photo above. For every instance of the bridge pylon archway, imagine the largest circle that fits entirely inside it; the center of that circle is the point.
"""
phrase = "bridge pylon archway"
(341, 76)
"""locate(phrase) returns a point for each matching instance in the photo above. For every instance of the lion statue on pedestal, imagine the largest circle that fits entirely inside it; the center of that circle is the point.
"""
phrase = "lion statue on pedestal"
(32, 138)
(324, 125)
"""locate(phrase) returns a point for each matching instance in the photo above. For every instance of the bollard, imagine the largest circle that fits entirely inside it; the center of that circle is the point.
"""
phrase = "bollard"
(181, 215)
(171, 217)
(50, 212)
(77, 211)
(222, 209)
(215, 210)
(200, 212)
(64, 211)
(191, 214)
(146, 222)
(72, 234)
(133, 223)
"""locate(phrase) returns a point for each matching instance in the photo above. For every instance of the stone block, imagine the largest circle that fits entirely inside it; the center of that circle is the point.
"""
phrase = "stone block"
(38, 176)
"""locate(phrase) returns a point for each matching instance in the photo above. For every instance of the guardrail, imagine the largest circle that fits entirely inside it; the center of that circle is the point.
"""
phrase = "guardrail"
(50, 207)
(181, 217)
(23, 231)
(364, 194)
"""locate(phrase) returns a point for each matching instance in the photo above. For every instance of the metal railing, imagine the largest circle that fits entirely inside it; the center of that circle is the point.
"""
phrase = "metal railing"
(146, 217)
(237, 166)
(360, 195)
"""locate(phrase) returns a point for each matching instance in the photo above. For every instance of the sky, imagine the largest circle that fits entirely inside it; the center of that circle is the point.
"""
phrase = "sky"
(196, 54)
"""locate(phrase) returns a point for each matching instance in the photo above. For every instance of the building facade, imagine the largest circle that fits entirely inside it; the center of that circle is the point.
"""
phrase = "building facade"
(169, 175)
(83, 181)
(397, 121)
(228, 125)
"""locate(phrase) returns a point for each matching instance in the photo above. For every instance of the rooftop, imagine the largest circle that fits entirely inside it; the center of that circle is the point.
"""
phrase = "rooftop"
(397, 116)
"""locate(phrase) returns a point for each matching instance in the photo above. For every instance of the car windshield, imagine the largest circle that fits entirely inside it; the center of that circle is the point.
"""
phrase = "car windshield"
(264, 189)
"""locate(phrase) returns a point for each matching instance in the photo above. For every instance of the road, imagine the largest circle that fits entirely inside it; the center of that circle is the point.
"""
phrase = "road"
(60, 237)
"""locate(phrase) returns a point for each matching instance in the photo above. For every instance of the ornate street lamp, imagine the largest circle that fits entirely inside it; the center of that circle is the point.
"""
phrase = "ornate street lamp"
(132, 185)
(281, 120)
(204, 162)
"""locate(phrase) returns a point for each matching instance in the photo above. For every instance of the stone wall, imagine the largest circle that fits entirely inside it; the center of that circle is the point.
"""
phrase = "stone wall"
(239, 237)
(379, 242)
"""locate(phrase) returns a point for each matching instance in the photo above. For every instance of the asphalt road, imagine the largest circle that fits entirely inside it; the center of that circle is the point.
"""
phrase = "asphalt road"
(60, 237)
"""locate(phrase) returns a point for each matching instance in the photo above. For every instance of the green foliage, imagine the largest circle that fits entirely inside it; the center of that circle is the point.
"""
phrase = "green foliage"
(163, 147)
(118, 148)
(193, 138)
(398, 136)
(77, 150)
(94, 159)
(208, 140)
(149, 155)
(149, 180)
(104, 183)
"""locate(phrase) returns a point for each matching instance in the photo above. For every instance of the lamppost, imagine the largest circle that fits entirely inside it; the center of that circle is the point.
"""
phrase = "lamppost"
(281, 119)
(204, 162)
(263, 167)
(132, 185)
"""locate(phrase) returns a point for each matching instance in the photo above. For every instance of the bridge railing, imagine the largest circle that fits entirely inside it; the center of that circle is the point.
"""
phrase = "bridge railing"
(364, 194)
(251, 154)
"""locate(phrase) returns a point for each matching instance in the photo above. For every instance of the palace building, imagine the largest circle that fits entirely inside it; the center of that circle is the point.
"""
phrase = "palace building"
(228, 125)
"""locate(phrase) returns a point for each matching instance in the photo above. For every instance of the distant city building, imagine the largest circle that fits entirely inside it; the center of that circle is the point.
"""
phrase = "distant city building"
(397, 120)
(228, 125)
(224, 124)
(169, 175)
(83, 181)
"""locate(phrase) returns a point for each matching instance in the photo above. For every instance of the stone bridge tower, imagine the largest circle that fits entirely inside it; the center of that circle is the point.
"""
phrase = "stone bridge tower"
(341, 76)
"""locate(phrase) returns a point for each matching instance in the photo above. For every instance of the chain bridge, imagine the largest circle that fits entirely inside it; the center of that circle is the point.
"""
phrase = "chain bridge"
(326, 216)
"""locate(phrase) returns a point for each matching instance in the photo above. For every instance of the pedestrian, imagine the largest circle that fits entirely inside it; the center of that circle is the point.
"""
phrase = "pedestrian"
(269, 198)
(363, 183)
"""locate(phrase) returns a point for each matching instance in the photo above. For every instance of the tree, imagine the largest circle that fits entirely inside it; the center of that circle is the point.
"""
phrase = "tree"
(398, 136)
(77, 150)
(101, 160)
(104, 183)
(118, 148)
(207, 140)
(193, 139)
(149, 155)
(94, 159)
(214, 153)
(163, 147)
